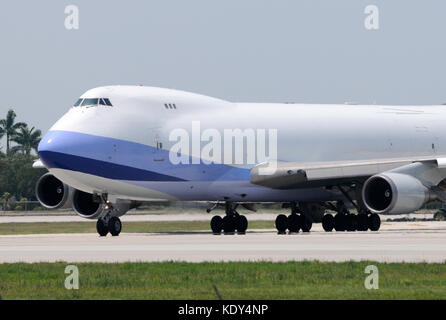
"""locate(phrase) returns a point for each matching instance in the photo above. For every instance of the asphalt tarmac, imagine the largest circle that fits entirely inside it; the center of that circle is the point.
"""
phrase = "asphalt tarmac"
(395, 242)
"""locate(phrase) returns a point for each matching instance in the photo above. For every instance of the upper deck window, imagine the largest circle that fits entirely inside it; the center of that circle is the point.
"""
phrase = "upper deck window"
(90, 102)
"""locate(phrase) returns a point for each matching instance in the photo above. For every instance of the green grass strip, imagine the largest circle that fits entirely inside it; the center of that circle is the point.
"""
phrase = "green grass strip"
(234, 280)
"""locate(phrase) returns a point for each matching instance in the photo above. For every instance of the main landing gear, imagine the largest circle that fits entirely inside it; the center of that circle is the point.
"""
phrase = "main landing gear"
(107, 223)
(296, 221)
(231, 223)
(345, 221)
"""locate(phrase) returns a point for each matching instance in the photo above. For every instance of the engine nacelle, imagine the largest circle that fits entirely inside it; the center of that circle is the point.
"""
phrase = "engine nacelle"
(53, 193)
(120, 207)
(394, 193)
(87, 205)
(90, 206)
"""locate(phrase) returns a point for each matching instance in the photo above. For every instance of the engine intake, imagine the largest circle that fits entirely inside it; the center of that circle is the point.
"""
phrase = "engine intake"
(86, 205)
(53, 193)
(394, 193)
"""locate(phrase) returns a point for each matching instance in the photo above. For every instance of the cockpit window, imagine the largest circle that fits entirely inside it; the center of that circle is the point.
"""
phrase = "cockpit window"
(90, 102)
(78, 102)
(107, 102)
(93, 102)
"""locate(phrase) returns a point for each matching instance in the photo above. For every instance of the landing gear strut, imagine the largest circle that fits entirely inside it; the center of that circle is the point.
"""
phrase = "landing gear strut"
(231, 223)
(299, 219)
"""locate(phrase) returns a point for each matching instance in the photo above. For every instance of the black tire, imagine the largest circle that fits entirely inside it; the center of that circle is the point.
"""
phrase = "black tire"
(229, 224)
(241, 224)
(363, 224)
(281, 223)
(352, 222)
(340, 223)
(293, 223)
(216, 224)
(374, 222)
(101, 228)
(440, 215)
(306, 224)
(114, 226)
(328, 222)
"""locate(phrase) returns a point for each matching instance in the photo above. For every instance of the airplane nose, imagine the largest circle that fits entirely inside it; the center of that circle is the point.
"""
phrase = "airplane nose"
(47, 146)
(53, 145)
(71, 150)
(44, 144)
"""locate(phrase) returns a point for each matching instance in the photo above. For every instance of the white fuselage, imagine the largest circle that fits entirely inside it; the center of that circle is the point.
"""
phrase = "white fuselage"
(134, 134)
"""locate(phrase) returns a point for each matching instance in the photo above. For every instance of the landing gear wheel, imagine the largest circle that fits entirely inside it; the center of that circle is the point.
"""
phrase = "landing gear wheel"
(306, 224)
(440, 215)
(293, 223)
(374, 222)
(340, 222)
(281, 223)
(328, 222)
(114, 226)
(216, 224)
(229, 224)
(101, 227)
(362, 222)
(352, 222)
(241, 224)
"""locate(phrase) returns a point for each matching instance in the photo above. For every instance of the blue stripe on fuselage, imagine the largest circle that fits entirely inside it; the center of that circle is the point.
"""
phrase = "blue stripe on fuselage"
(121, 159)
(100, 168)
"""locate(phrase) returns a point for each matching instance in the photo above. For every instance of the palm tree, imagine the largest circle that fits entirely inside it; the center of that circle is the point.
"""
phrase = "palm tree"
(9, 128)
(26, 139)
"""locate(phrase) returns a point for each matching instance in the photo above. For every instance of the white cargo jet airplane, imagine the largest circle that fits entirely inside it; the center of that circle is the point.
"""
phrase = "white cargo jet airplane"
(121, 145)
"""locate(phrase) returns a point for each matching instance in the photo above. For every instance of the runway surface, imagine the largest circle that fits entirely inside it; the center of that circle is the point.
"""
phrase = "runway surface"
(396, 241)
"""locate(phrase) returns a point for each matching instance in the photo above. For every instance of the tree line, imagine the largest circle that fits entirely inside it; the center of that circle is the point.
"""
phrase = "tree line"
(17, 176)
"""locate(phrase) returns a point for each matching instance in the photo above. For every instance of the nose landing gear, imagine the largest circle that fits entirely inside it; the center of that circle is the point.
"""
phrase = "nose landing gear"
(114, 226)
(111, 224)
(107, 223)
(101, 227)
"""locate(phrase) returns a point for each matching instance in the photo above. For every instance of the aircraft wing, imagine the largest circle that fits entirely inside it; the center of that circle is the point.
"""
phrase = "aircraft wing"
(290, 175)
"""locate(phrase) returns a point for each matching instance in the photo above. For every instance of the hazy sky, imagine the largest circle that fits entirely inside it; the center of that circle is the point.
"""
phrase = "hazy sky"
(264, 51)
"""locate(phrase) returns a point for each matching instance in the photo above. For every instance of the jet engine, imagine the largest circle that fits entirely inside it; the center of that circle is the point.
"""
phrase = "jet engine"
(53, 193)
(91, 206)
(394, 193)
(87, 205)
